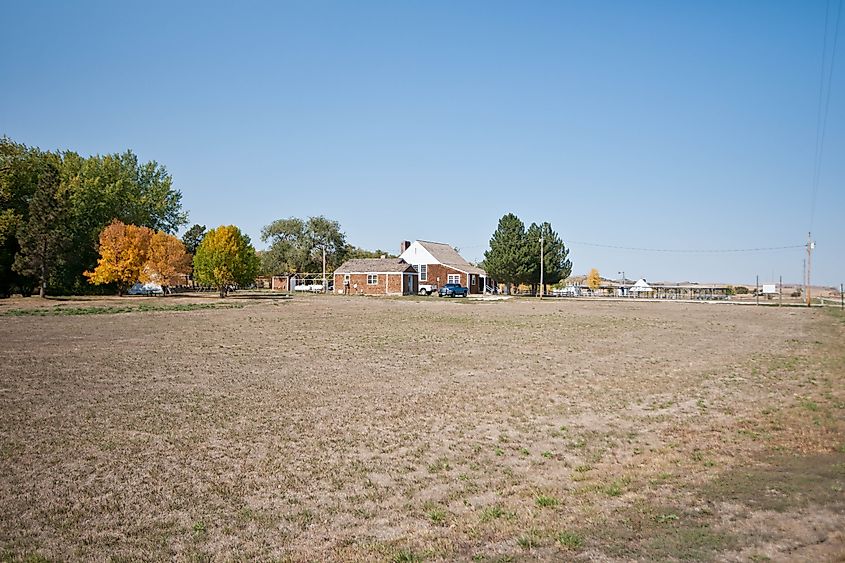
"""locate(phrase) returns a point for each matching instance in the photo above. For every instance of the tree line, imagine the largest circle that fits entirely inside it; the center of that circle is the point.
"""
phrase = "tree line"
(298, 245)
(514, 254)
(55, 204)
(101, 223)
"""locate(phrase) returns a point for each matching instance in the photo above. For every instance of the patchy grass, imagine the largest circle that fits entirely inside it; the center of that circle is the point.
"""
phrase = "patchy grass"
(59, 310)
(545, 501)
(494, 513)
(645, 531)
(530, 539)
(407, 556)
(784, 483)
(570, 540)
(436, 514)
(355, 429)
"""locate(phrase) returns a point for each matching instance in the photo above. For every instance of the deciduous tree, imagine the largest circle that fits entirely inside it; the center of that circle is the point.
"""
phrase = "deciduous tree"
(109, 187)
(96, 190)
(354, 252)
(289, 251)
(123, 255)
(167, 262)
(325, 236)
(225, 257)
(20, 170)
(593, 279)
(297, 245)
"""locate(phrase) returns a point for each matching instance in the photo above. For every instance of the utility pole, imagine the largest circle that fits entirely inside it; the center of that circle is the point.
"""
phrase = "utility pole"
(325, 289)
(780, 291)
(804, 271)
(541, 266)
(757, 290)
(842, 295)
(623, 283)
(810, 246)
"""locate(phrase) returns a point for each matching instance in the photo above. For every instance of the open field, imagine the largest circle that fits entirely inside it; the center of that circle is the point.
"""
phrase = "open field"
(332, 428)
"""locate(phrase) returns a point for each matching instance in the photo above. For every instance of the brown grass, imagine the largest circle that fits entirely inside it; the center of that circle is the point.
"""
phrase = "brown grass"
(331, 428)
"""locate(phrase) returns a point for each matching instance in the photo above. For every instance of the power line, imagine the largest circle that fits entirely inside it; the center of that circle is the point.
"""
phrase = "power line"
(824, 105)
(569, 243)
(688, 250)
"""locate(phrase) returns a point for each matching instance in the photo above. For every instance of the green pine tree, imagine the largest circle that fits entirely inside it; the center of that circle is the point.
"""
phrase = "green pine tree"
(43, 236)
(506, 260)
(556, 264)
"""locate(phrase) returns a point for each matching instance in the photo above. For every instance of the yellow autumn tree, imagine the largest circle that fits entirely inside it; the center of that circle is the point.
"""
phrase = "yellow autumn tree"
(123, 254)
(593, 279)
(225, 258)
(166, 260)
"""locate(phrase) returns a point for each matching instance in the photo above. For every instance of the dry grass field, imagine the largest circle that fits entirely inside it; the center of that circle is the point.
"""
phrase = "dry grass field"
(365, 429)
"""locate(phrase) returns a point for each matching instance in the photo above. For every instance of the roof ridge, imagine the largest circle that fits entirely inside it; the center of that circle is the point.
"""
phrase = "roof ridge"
(434, 242)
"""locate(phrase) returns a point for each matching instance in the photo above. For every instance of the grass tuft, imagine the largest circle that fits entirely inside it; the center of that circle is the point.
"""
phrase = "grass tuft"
(570, 540)
(545, 501)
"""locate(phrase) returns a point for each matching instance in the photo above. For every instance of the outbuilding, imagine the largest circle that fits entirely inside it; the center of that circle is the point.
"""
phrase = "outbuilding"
(376, 276)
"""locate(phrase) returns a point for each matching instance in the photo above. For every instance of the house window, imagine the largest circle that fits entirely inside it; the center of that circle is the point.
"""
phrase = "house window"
(423, 269)
(346, 279)
(372, 279)
(453, 278)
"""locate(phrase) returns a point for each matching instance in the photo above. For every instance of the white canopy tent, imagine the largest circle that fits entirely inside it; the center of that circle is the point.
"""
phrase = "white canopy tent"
(640, 287)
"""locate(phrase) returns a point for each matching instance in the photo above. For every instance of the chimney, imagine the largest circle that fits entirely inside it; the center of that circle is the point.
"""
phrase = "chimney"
(403, 246)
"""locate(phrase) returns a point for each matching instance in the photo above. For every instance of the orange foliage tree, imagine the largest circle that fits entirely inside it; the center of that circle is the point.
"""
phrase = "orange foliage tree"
(166, 261)
(123, 253)
(130, 254)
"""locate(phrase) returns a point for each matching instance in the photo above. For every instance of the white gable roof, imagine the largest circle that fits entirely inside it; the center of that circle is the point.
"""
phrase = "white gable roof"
(417, 254)
(426, 252)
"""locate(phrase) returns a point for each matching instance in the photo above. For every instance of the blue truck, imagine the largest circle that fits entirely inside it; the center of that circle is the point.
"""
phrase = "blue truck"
(453, 290)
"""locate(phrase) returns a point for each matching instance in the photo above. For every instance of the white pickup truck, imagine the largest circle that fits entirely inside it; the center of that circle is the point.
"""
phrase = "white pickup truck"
(427, 288)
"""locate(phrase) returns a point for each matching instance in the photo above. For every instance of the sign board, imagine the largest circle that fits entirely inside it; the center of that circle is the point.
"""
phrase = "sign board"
(770, 289)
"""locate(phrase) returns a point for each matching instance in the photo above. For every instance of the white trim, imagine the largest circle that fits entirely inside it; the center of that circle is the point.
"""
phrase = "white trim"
(423, 277)
(359, 273)
(368, 278)
(457, 269)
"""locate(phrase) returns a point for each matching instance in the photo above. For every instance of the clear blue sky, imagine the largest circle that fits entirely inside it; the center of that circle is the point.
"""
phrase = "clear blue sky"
(681, 125)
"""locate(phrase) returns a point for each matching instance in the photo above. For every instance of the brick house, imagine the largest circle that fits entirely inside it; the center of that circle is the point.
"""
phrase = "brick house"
(438, 264)
(376, 276)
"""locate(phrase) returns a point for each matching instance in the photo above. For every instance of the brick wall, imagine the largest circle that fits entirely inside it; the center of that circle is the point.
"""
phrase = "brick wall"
(280, 283)
(388, 284)
(441, 271)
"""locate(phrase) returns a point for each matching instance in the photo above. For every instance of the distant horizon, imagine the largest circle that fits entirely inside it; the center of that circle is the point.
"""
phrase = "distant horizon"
(682, 128)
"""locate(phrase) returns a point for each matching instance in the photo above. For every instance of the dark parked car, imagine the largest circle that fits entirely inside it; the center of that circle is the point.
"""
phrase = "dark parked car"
(453, 290)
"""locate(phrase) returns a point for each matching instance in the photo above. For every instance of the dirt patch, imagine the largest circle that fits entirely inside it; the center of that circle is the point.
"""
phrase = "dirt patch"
(338, 428)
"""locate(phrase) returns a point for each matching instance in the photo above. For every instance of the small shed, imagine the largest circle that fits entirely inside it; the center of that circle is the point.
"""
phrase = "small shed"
(376, 276)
